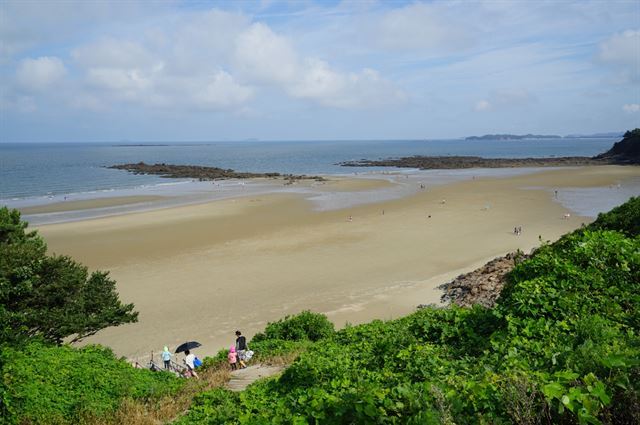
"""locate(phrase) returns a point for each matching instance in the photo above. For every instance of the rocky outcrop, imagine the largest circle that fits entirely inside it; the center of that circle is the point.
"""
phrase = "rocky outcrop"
(626, 151)
(202, 173)
(483, 285)
(458, 162)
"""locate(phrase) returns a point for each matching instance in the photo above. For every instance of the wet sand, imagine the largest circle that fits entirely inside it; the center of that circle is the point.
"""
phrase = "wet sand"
(88, 204)
(200, 272)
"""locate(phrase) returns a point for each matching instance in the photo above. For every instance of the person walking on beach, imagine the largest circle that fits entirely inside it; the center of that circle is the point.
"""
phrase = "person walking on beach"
(241, 348)
(166, 357)
(233, 358)
(189, 361)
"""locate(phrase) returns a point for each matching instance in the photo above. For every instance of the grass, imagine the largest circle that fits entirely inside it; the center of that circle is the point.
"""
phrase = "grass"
(167, 409)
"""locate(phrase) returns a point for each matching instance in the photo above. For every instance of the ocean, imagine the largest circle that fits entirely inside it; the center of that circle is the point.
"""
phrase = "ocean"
(36, 170)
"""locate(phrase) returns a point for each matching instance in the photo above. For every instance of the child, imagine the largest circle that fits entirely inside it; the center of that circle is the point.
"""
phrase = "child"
(233, 358)
(166, 357)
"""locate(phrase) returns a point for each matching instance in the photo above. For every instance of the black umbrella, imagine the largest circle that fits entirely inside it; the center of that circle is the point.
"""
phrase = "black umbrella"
(188, 346)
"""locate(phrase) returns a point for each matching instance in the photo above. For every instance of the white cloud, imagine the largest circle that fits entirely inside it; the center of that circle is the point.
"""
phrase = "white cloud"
(631, 108)
(505, 98)
(220, 90)
(623, 51)
(151, 75)
(621, 48)
(41, 73)
(421, 26)
(482, 105)
(113, 53)
(352, 90)
(219, 60)
(263, 56)
(512, 97)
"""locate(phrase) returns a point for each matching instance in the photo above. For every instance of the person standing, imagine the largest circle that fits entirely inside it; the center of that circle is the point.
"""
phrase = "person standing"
(166, 357)
(241, 348)
(233, 358)
(189, 362)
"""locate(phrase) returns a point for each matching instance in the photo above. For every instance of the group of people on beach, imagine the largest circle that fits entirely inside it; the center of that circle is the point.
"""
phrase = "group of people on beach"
(238, 355)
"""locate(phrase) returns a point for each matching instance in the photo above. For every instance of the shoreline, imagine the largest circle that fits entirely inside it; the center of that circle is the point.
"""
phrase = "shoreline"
(336, 192)
(200, 271)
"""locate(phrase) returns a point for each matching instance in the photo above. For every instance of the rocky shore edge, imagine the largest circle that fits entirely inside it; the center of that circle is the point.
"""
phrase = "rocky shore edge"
(482, 285)
(461, 162)
(203, 173)
(624, 152)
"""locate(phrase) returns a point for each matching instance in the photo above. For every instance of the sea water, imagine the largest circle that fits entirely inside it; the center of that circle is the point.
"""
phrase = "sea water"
(35, 170)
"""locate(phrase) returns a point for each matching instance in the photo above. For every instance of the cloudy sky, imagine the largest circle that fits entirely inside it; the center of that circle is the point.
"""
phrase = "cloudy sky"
(296, 70)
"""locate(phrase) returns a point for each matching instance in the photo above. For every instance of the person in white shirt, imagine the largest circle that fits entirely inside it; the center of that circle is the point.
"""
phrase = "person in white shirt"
(189, 362)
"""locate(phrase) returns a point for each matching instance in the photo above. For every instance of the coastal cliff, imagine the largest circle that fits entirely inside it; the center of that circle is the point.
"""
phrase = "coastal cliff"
(626, 151)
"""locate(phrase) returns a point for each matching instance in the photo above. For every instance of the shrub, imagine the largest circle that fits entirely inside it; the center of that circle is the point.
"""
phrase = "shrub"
(624, 218)
(304, 326)
(51, 384)
(561, 346)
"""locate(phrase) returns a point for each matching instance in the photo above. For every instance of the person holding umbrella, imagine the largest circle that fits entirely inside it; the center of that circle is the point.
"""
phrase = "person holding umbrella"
(189, 362)
(190, 358)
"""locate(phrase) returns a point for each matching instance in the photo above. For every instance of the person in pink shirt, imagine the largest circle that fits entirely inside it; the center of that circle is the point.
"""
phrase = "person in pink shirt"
(233, 358)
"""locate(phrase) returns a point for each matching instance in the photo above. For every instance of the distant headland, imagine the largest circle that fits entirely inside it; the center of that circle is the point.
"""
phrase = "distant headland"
(544, 136)
(624, 152)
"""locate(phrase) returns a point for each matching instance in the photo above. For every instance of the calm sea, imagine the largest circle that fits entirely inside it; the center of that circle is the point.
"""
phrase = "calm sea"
(34, 170)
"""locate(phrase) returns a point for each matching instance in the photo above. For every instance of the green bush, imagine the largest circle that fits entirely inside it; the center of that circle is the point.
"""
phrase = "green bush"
(51, 384)
(624, 218)
(304, 326)
(562, 346)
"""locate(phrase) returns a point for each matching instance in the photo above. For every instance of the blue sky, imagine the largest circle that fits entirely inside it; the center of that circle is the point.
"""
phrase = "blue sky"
(296, 70)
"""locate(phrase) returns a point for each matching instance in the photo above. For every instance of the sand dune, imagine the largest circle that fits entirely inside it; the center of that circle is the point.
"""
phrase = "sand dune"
(200, 272)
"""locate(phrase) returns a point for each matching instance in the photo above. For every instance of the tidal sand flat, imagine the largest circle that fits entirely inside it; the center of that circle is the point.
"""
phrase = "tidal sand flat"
(88, 204)
(199, 272)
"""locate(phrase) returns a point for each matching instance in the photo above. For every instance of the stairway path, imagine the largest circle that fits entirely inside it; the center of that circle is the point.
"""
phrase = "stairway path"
(242, 378)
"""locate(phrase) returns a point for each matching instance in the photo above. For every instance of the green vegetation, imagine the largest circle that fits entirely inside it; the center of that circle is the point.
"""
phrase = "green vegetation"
(623, 219)
(304, 326)
(44, 300)
(51, 384)
(562, 346)
(51, 297)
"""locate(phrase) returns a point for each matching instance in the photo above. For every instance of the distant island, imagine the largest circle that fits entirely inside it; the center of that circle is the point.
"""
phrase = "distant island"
(545, 136)
(129, 145)
(595, 135)
(624, 152)
(513, 137)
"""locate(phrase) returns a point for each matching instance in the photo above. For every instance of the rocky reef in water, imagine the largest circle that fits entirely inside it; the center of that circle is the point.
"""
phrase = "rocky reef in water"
(203, 173)
(624, 152)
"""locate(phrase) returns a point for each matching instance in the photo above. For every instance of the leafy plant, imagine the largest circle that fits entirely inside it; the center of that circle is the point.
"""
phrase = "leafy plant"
(303, 326)
(59, 384)
(51, 297)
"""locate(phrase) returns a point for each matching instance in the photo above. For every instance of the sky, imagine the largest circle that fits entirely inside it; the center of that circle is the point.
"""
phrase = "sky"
(315, 70)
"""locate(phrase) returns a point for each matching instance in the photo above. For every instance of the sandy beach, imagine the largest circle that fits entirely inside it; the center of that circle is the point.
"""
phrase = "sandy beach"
(199, 272)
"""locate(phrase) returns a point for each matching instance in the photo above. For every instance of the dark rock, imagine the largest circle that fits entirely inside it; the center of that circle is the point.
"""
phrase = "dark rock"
(624, 152)
(203, 173)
